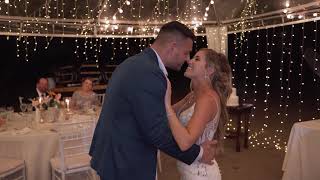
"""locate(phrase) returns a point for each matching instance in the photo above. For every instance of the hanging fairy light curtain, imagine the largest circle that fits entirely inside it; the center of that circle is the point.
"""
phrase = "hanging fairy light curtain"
(217, 39)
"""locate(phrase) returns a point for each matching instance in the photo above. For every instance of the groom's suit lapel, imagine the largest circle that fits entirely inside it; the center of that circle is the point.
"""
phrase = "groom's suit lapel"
(153, 57)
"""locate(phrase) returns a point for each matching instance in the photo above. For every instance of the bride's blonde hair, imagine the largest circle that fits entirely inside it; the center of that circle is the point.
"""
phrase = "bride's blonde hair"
(221, 83)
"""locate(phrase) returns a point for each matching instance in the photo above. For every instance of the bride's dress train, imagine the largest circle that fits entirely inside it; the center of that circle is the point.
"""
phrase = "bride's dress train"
(197, 170)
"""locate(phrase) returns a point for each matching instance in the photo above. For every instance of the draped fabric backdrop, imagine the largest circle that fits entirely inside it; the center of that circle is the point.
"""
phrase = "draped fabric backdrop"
(217, 39)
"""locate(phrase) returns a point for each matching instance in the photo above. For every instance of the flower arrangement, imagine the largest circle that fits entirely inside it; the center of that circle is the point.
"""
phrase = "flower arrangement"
(52, 100)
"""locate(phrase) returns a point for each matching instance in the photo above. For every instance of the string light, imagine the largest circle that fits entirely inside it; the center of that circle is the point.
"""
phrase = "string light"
(280, 131)
(287, 4)
(246, 54)
(100, 45)
(96, 52)
(315, 46)
(301, 74)
(26, 48)
(42, 17)
(76, 52)
(229, 124)
(17, 47)
(127, 49)
(267, 85)
(290, 62)
(205, 16)
(290, 16)
(315, 66)
(35, 43)
(281, 69)
(249, 10)
(113, 49)
(235, 59)
(85, 48)
(254, 135)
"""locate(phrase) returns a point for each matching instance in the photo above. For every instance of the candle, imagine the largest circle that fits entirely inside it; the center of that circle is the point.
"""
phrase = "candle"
(40, 100)
(67, 102)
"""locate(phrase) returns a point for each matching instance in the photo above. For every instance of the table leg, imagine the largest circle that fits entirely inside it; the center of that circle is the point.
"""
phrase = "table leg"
(238, 132)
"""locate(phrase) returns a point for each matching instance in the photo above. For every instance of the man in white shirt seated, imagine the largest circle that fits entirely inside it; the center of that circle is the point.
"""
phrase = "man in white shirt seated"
(39, 91)
(41, 87)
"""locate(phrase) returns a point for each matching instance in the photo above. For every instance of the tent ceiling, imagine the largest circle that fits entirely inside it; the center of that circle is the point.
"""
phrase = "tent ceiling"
(81, 15)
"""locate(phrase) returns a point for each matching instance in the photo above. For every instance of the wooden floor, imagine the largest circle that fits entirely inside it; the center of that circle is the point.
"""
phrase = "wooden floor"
(251, 164)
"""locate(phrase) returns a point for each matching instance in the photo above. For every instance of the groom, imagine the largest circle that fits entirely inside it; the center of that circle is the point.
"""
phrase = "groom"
(133, 122)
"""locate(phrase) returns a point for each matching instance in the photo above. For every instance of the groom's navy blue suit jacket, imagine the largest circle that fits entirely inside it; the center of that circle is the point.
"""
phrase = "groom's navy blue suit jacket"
(133, 123)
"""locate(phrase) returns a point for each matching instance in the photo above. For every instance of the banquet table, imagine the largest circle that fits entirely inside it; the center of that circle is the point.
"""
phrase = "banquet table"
(38, 145)
(302, 160)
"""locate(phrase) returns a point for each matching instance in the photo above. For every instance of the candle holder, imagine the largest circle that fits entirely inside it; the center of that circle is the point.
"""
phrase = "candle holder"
(68, 104)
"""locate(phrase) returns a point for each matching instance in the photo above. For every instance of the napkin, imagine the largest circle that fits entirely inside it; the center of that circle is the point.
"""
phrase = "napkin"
(25, 130)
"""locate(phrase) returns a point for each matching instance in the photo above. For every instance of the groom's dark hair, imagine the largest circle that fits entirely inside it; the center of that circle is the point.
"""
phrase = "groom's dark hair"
(174, 29)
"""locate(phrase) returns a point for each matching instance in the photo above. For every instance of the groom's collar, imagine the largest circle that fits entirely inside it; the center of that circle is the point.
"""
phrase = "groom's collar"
(161, 65)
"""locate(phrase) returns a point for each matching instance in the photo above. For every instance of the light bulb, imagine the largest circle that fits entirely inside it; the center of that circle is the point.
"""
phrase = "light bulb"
(287, 4)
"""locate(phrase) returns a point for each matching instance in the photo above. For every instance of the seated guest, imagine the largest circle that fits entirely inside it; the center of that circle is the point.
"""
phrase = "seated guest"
(84, 98)
(40, 90)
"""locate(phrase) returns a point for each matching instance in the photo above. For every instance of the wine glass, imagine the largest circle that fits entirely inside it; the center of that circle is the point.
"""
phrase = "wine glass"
(29, 108)
(23, 107)
(9, 108)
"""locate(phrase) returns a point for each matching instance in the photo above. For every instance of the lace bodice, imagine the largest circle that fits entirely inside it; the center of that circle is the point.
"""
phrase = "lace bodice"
(198, 170)
(211, 126)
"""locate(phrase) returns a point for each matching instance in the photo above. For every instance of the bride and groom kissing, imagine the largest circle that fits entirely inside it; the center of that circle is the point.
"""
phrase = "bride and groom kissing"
(137, 118)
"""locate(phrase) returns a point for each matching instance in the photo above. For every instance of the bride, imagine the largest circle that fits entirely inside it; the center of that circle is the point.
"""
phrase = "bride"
(202, 114)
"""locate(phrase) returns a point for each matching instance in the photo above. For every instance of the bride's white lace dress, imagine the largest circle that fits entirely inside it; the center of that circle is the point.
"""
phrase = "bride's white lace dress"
(197, 170)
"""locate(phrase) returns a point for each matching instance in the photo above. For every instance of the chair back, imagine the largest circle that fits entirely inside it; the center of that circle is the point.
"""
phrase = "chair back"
(101, 98)
(74, 139)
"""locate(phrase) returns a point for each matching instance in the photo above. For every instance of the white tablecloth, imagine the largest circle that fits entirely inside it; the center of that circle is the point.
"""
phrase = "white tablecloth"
(38, 146)
(302, 160)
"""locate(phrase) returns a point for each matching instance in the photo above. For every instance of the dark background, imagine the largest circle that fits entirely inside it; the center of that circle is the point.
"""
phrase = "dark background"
(17, 74)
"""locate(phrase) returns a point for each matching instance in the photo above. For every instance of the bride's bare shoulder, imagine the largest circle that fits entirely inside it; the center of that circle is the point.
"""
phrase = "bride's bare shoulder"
(209, 96)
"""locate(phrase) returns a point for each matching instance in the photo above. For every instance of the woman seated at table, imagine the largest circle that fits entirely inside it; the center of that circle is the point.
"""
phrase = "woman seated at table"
(84, 98)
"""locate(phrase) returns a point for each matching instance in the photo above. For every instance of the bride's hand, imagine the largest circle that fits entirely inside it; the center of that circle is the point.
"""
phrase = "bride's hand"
(167, 99)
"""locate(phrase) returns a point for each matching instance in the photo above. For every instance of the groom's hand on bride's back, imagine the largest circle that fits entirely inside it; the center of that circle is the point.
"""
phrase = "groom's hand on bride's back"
(209, 151)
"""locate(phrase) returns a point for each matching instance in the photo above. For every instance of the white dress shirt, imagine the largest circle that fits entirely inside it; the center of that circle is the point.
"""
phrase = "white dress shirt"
(165, 72)
(39, 93)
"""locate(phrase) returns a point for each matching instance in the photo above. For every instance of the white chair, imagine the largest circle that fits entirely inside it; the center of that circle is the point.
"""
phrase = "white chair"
(74, 143)
(11, 166)
(101, 98)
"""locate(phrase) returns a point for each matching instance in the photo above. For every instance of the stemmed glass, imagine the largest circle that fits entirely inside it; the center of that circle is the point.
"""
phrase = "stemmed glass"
(9, 108)
(23, 107)
(29, 108)
(29, 120)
